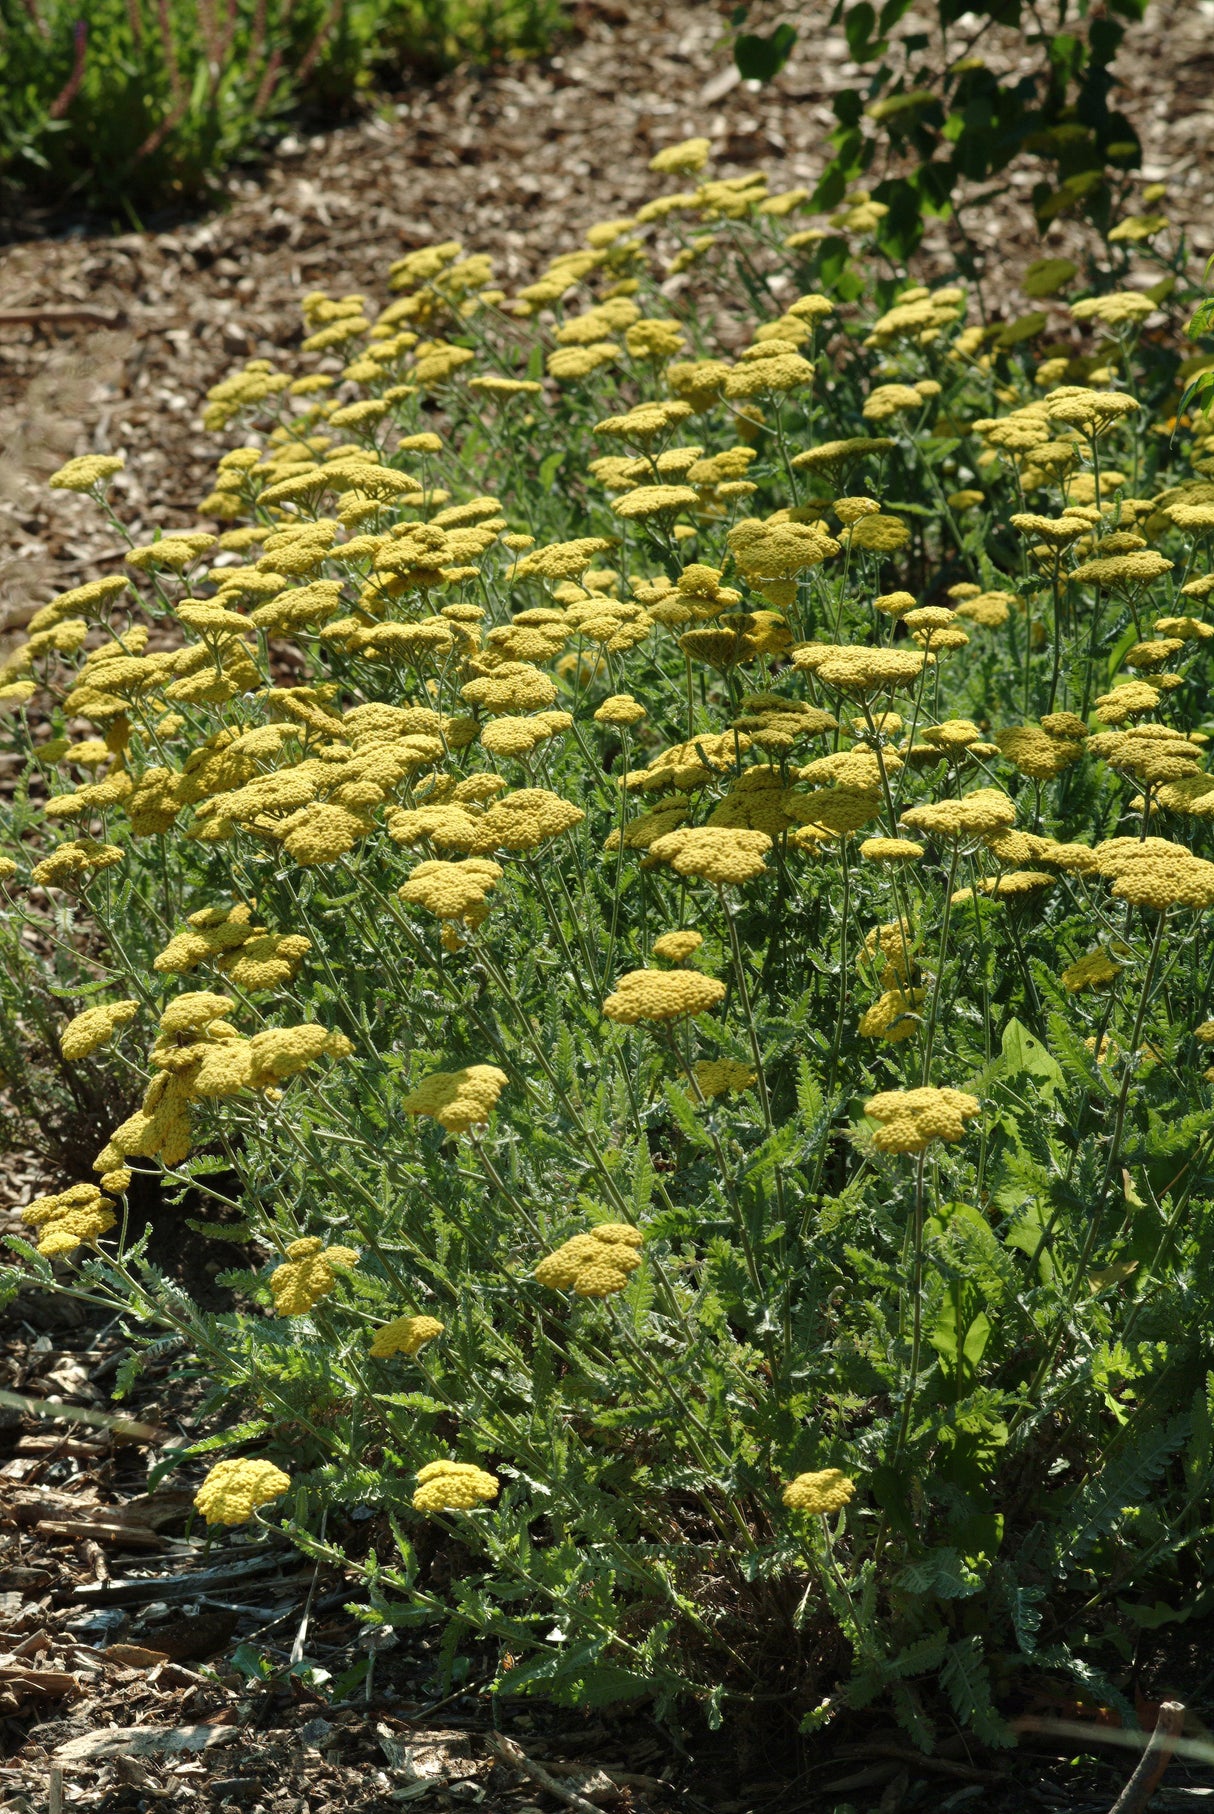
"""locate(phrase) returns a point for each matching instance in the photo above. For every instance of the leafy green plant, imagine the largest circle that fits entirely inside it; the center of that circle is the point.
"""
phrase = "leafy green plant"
(696, 1002)
(942, 126)
(1200, 370)
(131, 105)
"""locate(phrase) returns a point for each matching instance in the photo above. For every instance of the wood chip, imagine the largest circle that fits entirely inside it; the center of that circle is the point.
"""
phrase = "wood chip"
(143, 1741)
(81, 316)
(133, 1536)
(42, 1684)
(134, 1656)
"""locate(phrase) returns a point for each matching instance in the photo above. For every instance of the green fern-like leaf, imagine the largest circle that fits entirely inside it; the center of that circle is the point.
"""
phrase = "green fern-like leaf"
(965, 1680)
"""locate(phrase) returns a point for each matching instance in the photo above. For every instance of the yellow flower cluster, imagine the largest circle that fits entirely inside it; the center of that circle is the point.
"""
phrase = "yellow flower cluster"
(594, 1265)
(723, 1077)
(252, 957)
(453, 891)
(233, 1490)
(199, 1056)
(1091, 972)
(94, 1028)
(406, 1335)
(982, 814)
(677, 947)
(459, 1100)
(827, 1491)
(71, 1217)
(307, 1275)
(453, 1486)
(713, 853)
(1154, 873)
(911, 1119)
(662, 995)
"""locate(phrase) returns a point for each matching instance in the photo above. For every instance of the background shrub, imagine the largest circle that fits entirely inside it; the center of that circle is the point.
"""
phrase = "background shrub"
(944, 112)
(137, 103)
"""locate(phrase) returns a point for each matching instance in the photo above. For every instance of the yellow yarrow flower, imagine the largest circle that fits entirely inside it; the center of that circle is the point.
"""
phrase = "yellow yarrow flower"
(677, 947)
(911, 1119)
(1090, 972)
(620, 708)
(89, 1031)
(308, 1275)
(983, 813)
(69, 1218)
(405, 1336)
(646, 501)
(826, 1491)
(714, 853)
(861, 670)
(894, 1016)
(723, 1076)
(1017, 882)
(233, 1490)
(453, 1486)
(662, 995)
(459, 1100)
(593, 1265)
(453, 891)
(683, 159)
(89, 470)
(892, 850)
(1151, 872)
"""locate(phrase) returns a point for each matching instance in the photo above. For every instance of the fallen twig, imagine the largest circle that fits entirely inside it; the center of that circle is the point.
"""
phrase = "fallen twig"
(1091, 1732)
(186, 1586)
(516, 1758)
(1153, 1762)
(942, 1766)
(60, 316)
(43, 1407)
(134, 1536)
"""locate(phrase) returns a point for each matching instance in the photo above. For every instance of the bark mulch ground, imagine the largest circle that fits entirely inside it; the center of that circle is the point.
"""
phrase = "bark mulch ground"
(140, 1665)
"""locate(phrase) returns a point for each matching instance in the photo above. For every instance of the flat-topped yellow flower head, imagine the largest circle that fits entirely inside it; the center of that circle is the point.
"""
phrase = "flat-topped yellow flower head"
(233, 1490)
(84, 473)
(308, 1274)
(453, 1486)
(683, 159)
(826, 1491)
(94, 1028)
(661, 995)
(1091, 972)
(715, 853)
(1152, 872)
(594, 1265)
(983, 813)
(911, 1119)
(458, 1100)
(677, 947)
(406, 1335)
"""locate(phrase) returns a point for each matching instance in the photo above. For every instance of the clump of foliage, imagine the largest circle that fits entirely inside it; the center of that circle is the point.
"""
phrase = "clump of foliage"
(676, 883)
(943, 124)
(134, 103)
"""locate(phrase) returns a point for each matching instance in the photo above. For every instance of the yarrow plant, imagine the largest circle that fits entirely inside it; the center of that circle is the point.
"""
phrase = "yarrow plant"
(657, 879)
